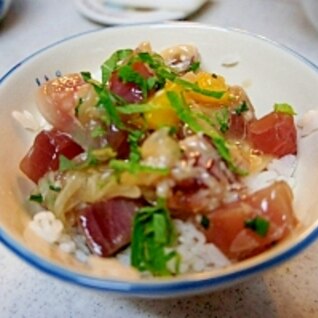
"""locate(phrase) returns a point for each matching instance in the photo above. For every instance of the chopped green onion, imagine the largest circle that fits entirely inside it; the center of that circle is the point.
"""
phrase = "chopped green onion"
(258, 224)
(284, 108)
(153, 233)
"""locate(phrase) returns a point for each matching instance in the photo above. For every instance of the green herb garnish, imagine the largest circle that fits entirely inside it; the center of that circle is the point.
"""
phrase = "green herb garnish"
(133, 140)
(223, 117)
(195, 88)
(136, 108)
(191, 119)
(128, 74)
(153, 234)
(259, 225)
(90, 161)
(54, 188)
(164, 73)
(66, 164)
(114, 62)
(105, 101)
(98, 131)
(205, 222)
(284, 108)
(93, 158)
(38, 198)
(194, 66)
(135, 167)
(241, 108)
(157, 64)
(80, 102)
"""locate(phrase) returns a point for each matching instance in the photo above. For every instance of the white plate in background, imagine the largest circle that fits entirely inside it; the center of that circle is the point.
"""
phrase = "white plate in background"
(108, 12)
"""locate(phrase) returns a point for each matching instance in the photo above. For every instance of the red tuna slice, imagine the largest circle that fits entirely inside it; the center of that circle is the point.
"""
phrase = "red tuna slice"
(129, 91)
(227, 228)
(118, 140)
(107, 225)
(274, 134)
(44, 154)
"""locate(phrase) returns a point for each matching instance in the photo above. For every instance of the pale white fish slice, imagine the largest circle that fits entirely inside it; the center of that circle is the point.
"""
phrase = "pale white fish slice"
(182, 5)
(308, 123)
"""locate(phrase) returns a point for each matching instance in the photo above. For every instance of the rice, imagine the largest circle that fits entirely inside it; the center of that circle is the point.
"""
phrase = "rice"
(196, 254)
(277, 170)
(48, 227)
(308, 123)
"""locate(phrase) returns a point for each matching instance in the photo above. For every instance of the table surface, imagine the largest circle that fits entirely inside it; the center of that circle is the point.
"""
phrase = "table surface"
(290, 290)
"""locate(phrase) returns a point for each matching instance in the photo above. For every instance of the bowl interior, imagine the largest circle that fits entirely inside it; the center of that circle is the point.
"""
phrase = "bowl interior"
(269, 73)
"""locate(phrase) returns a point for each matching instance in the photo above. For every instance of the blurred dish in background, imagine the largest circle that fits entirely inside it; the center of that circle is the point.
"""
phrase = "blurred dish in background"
(311, 9)
(117, 12)
(4, 7)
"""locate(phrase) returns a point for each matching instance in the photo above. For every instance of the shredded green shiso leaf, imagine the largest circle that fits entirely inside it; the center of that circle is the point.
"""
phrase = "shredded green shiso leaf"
(191, 119)
(111, 64)
(153, 238)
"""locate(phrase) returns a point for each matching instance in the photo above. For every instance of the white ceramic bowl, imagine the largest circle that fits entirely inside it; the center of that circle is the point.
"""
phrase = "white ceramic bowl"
(274, 74)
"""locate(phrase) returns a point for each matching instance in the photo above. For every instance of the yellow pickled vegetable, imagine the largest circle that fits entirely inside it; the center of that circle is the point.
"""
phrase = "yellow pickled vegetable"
(210, 82)
(164, 114)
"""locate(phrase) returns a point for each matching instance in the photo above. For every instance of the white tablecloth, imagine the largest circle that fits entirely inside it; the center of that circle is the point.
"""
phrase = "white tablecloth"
(290, 290)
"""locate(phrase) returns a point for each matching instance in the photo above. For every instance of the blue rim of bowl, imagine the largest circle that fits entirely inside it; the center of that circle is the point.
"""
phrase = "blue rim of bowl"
(160, 288)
